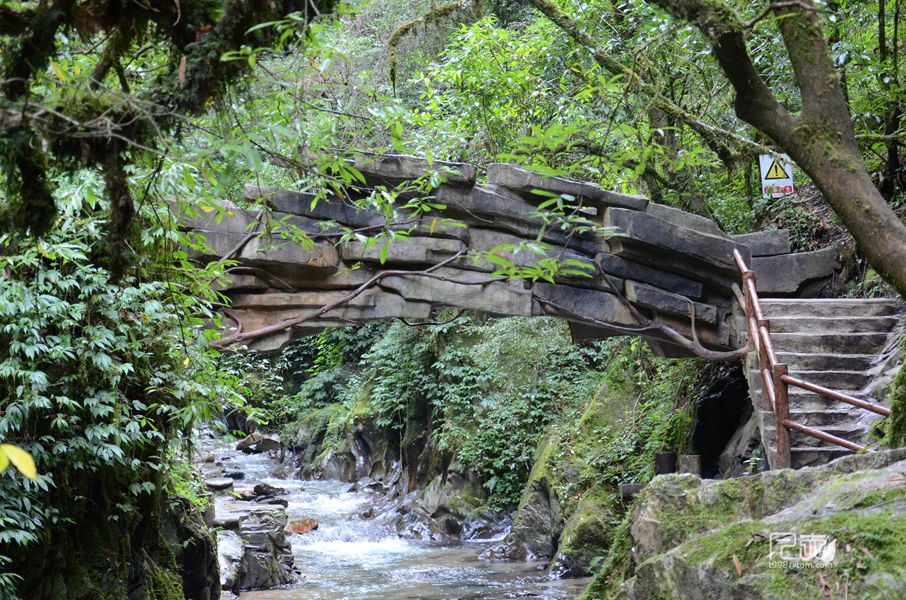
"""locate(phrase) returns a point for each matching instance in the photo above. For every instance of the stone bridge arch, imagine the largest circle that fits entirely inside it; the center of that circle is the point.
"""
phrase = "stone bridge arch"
(659, 265)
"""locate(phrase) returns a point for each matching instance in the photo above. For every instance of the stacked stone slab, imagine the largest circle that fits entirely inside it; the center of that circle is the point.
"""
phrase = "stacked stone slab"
(834, 343)
(665, 262)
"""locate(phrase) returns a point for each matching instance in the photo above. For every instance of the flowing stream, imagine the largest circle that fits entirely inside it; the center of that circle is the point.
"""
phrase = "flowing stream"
(352, 557)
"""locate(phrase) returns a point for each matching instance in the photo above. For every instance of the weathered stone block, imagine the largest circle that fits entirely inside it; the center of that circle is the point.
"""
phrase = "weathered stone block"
(643, 228)
(628, 269)
(495, 207)
(412, 251)
(501, 297)
(244, 283)
(393, 169)
(656, 299)
(589, 194)
(787, 273)
(270, 252)
(681, 218)
(573, 304)
(330, 209)
(397, 168)
(766, 243)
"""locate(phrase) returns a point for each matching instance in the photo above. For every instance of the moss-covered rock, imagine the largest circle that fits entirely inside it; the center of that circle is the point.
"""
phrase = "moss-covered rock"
(587, 534)
(695, 539)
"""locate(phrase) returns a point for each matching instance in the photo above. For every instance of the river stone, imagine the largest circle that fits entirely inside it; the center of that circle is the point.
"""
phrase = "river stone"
(301, 526)
(265, 489)
(217, 484)
(229, 557)
(245, 443)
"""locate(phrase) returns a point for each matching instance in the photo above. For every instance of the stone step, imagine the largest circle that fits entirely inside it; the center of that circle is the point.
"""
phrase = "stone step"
(809, 324)
(807, 456)
(808, 402)
(820, 419)
(842, 430)
(834, 379)
(838, 343)
(829, 307)
(826, 362)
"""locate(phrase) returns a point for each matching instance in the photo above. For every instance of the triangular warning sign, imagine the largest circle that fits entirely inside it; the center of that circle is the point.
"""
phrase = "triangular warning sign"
(776, 171)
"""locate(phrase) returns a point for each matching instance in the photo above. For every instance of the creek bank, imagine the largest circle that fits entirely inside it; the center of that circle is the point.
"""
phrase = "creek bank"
(252, 547)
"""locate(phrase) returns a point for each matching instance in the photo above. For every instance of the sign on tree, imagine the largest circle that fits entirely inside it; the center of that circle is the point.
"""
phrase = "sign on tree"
(776, 175)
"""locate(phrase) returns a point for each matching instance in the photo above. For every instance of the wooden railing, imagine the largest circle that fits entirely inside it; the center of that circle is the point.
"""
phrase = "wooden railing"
(776, 378)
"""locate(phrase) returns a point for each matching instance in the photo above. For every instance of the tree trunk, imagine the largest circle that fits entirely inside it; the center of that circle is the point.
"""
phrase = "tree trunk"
(821, 140)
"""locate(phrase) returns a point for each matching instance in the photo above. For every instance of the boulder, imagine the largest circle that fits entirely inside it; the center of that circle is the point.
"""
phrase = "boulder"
(586, 535)
(245, 443)
(708, 539)
(184, 529)
(265, 559)
(229, 557)
(264, 489)
(259, 445)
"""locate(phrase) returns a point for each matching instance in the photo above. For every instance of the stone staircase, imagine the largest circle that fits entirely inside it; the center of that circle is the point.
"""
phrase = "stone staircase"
(828, 342)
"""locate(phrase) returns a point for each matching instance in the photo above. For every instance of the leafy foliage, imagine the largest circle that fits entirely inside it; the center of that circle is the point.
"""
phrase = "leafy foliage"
(96, 379)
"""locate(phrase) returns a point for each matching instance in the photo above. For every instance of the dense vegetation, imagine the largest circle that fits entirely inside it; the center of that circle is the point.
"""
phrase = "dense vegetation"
(107, 108)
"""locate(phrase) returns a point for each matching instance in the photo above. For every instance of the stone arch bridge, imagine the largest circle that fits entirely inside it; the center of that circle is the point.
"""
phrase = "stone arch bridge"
(652, 266)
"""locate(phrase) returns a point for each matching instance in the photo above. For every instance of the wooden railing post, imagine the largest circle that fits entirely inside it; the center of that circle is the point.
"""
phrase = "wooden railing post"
(781, 415)
(764, 362)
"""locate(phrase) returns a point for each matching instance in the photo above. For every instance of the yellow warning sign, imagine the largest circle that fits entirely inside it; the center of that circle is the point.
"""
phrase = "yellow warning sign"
(776, 171)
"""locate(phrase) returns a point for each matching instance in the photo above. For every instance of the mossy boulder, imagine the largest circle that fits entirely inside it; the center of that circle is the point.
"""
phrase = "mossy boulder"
(695, 539)
(587, 534)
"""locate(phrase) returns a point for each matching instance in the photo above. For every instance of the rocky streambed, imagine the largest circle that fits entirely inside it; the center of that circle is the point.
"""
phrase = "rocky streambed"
(326, 539)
